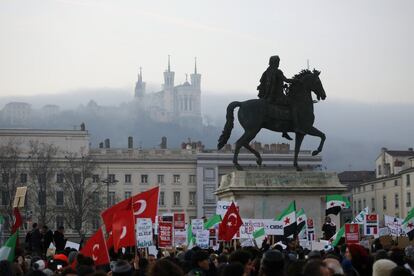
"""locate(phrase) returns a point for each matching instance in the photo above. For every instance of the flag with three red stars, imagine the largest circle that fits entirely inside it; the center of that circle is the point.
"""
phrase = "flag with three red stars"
(408, 224)
(335, 203)
(288, 216)
(230, 224)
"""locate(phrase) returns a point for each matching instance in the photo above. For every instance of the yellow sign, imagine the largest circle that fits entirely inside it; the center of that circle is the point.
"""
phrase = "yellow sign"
(19, 198)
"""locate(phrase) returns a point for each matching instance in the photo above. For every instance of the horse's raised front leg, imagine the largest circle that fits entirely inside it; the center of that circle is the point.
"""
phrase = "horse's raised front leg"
(298, 143)
(313, 131)
(256, 153)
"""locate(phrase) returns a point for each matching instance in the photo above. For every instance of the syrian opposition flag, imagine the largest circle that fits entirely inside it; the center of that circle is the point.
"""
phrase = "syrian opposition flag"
(190, 237)
(288, 216)
(7, 250)
(301, 220)
(335, 203)
(408, 224)
(230, 224)
(341, 232)
(95, 248)
(123, 229)
(145, 205)
(212, 221)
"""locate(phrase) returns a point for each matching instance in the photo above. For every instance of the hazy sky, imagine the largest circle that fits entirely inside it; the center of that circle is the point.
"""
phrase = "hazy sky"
(363, 48)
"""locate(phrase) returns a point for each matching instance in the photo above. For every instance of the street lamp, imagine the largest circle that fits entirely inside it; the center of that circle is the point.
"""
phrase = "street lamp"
(108, 181)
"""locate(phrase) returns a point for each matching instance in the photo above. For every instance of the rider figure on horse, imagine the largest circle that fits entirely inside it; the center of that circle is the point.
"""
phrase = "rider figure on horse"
(271, 89)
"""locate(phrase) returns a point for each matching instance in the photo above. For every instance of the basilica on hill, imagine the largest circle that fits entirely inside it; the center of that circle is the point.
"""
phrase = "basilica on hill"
(174, 103)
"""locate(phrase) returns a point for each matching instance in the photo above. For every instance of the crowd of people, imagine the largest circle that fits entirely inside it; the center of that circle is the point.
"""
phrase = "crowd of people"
(32, 259)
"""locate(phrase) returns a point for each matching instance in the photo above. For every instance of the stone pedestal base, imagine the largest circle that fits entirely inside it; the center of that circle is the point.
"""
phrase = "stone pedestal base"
(264, 194)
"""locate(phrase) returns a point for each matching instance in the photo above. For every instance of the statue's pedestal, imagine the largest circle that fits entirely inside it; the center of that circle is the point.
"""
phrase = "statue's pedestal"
(264, 194)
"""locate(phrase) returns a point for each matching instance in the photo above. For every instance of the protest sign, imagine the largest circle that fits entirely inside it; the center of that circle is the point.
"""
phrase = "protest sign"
(351, 233)
(19, 198)
(310, 230)
(180, 237)
(203, 238)
(197, 225)
(371, 225)
(165, 234)
(73, 245)
(179, 221)
(249, 226)
(143, 230)
(395, 225)
(222, 207)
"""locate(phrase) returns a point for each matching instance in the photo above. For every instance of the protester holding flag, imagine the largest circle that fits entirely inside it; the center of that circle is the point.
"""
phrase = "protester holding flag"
(288, 217)
(328, 229)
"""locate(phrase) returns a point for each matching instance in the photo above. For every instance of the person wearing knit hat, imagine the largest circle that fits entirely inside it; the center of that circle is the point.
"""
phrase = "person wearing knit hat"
(383, 267)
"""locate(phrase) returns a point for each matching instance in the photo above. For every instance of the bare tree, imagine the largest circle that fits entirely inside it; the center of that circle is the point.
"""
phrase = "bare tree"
(10, 169)
(82, 192)
(42, 166)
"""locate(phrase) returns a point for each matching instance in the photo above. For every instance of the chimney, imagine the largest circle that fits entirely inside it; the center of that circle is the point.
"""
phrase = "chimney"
(130, 142)
(410, 149)
(107, 143)
(101, 145)
(384, 149)
(163, 142)
(82, 126)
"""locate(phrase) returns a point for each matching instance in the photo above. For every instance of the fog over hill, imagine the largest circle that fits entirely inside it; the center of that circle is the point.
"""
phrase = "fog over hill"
(355, 131)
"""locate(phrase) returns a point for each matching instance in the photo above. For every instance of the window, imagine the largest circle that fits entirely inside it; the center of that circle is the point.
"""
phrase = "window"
(192, 199)
(95, 178)
(209, 174)
(144, 178)
(373, 204)
(42, 198)
(359, 205)
(397, 201)
(127, 178)
(77, 178)
(395, 182)
(78, 199)
(111, 178)
(177, 199)
(23, 178)
(95, 198)
(60, 177)
(408, 180)
(379, 170)
(127, 195)
(160, 179)
(111, 198)
(161, 201)
(384, 202)
(408, 199)
(59, 198)
(364, 203)
(176, 178)
(384, 184)
(355, 205)
(95, 223)
(60, 221)
(5, 178)
(372, 187)
(192, 179)
(5, 198)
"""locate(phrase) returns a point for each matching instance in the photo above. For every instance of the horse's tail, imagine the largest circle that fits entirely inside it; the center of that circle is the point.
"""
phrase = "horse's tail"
(225, 135)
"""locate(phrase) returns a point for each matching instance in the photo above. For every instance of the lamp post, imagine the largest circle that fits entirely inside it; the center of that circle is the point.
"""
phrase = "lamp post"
(108, 181)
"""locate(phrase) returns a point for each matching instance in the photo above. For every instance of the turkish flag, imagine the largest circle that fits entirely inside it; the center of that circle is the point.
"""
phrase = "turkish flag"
(110, 240)
(145, 205)
(96, 248)
(18, 220)
(123, 229)
(230, 223)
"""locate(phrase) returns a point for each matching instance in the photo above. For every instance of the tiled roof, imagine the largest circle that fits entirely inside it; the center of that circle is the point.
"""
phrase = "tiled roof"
(356, 176)
(400, 152)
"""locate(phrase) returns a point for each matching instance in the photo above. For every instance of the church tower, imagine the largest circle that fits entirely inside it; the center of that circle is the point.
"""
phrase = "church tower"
(139, 86)
(195, 77)
(168, 77)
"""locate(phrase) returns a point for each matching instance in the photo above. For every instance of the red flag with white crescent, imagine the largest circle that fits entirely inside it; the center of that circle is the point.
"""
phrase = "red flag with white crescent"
(123, 229)
(230, 223)
(95, 248)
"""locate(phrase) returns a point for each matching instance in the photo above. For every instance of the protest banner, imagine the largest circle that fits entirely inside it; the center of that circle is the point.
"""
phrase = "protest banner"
(395, 225)
(180, 237)
(197, 225)
(351, 233)
(73, 245)
(179, 221)
(251, 225)
(222, 207)
(274, 228)
(165, 234)
(203, 239)
(143, 230)
(371, 225)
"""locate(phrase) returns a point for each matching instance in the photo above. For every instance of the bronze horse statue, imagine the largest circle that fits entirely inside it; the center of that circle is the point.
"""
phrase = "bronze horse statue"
(256, 114)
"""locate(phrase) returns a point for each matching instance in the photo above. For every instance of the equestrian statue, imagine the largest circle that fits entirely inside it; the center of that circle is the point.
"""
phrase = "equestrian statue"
(280, 107)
